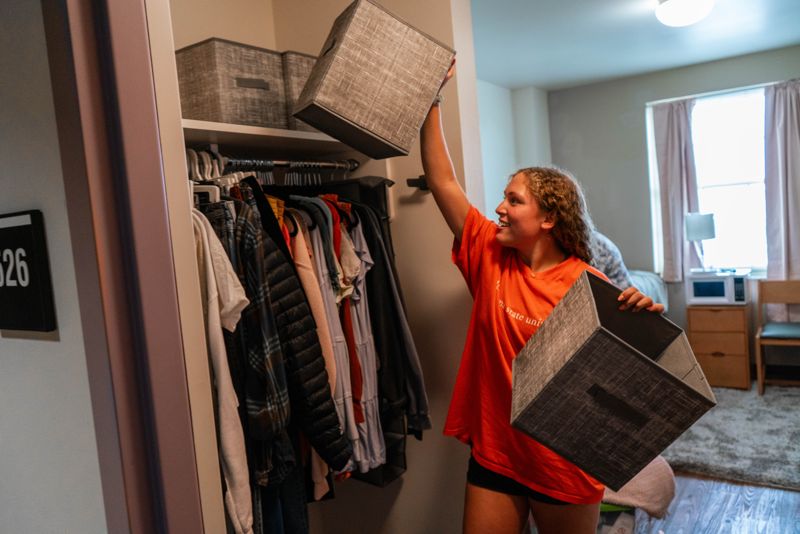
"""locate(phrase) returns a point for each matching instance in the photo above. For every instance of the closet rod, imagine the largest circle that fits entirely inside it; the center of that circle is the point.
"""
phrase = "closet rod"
(348, 165)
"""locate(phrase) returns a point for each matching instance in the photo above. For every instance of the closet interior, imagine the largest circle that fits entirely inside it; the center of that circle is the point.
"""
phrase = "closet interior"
(314, 375)
(277, 184)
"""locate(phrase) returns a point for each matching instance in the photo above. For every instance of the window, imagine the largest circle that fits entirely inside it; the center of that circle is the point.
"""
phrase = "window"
(728, 140)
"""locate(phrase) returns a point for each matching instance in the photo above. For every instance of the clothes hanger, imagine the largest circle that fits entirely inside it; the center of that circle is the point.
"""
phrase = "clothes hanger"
(292, 225)
(192, 164)
(212, 190)
(207, 166)
(201, 162)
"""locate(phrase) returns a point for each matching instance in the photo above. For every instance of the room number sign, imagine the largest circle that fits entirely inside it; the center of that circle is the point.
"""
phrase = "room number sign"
(26, 293)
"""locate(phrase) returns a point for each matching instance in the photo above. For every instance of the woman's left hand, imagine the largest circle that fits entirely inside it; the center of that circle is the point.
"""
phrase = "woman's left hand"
(634, 299)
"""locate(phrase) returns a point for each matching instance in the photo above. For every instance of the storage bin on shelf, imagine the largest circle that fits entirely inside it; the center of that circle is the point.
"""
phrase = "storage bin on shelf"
(229, 82)
(296, 70)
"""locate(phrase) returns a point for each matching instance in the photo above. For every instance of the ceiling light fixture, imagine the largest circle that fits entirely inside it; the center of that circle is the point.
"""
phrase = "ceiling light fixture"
(683, 12)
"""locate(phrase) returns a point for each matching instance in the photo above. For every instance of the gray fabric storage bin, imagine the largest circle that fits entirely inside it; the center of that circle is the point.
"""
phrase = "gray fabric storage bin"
(224, 81)
(606, 389)
(296, 70)
(374, 81)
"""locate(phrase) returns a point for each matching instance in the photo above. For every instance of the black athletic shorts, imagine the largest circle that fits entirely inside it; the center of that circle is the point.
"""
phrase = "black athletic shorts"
(477, 475)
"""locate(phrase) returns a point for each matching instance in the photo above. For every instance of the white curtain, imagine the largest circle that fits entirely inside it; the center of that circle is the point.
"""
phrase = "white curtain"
(672, 126)
(782, 185)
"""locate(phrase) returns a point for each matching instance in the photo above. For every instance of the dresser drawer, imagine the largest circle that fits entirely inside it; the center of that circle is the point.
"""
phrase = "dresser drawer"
(717, 319)
(729, 370)
(718, 342)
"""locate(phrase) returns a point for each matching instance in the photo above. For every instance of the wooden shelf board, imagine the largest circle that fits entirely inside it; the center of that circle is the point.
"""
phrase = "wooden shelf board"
(267, 141)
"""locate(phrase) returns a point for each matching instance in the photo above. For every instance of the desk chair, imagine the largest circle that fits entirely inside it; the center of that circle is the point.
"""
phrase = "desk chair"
(775, 333)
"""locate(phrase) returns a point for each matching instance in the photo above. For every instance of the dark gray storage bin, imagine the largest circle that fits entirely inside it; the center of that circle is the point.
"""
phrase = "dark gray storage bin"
(224, 81)
(606, 389)
(374, 81)
(296, 70)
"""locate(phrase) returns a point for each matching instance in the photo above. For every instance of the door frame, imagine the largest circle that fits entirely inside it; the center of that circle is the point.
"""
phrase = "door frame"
(108, 133)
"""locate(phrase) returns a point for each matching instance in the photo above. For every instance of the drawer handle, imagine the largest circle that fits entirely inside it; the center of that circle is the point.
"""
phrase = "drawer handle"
(252, 83)
(718, 354)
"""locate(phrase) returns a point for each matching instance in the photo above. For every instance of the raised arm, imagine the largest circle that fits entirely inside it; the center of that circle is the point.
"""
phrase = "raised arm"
(439, 172)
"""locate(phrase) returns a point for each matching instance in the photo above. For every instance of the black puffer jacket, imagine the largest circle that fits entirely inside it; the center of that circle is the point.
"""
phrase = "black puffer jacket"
(312, 404)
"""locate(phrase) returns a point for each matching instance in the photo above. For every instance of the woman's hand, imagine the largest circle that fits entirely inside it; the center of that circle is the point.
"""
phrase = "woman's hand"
(634, 299)
(450, 73)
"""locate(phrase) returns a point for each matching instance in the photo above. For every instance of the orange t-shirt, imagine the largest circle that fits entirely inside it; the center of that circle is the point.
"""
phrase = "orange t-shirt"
(510, 303)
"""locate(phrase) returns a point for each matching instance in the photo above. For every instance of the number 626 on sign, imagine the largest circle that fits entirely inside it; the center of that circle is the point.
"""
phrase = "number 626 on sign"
(26, 292)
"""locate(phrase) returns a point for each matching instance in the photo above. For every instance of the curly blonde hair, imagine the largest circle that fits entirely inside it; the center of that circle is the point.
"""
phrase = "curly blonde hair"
(560, 196)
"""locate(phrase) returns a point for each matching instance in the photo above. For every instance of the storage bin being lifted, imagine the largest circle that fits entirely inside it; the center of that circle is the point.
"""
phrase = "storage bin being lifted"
(235, 83)
(606, 389)
(374, 81)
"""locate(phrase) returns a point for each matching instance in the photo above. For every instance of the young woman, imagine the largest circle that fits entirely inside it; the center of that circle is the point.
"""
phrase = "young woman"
(517, 270)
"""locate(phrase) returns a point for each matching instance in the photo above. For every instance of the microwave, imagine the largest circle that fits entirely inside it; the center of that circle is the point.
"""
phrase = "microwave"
(716, 288)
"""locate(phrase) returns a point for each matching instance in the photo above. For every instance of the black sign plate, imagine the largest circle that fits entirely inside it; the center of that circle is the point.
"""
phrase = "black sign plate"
(26, 293)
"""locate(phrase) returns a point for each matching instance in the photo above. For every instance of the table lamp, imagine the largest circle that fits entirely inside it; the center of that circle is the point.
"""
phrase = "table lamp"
(699, 227)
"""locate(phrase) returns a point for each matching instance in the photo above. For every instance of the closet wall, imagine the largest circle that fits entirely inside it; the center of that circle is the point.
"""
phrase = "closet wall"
(245, 21)
(429, 497)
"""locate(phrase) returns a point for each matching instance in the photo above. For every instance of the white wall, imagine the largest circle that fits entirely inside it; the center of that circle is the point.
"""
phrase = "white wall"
(497, 141)
(598, 133)
(515, 133)
(531, 127)
(49, 471)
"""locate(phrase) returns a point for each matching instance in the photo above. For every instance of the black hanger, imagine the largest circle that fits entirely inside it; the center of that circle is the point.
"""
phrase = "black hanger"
(295, 227)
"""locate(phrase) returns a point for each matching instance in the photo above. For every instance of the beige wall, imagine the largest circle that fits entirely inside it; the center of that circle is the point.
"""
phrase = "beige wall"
(244, 21)
(49, 467)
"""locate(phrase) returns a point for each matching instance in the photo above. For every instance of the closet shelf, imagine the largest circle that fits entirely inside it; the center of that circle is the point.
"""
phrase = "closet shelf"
(266, 141)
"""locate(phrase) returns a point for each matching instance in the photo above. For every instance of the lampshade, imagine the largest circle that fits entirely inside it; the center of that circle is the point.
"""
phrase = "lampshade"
(699, 226)
(683, 12)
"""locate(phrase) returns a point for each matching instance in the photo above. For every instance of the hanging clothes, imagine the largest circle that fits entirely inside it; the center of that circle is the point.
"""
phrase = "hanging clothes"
(403, 401)
(319, 213)
(303, 260)
(402, 396)
(224, 300)
(265, 386)
(354, 392)
(346, 258)
(308, 380)
(370, 430)
(343, 390)
(278, 474)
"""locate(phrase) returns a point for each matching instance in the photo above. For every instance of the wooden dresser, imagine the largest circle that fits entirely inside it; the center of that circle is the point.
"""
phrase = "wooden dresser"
(719, 338)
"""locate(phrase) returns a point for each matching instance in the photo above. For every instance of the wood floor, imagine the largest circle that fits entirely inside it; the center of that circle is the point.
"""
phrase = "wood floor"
(711, 506)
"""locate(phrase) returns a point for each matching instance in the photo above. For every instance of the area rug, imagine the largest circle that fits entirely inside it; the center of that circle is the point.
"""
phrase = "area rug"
(745, 438)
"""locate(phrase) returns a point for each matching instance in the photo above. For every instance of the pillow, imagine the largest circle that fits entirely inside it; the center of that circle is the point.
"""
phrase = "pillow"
(652, 489)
